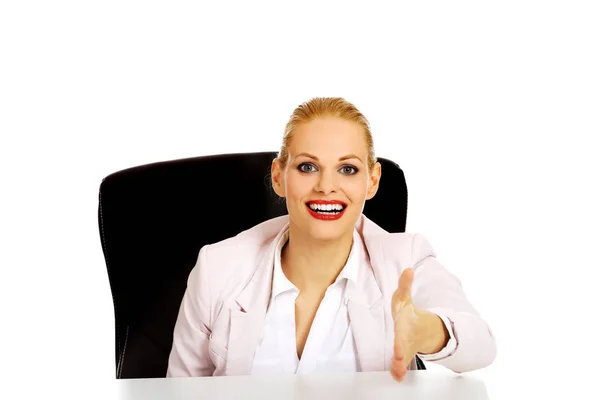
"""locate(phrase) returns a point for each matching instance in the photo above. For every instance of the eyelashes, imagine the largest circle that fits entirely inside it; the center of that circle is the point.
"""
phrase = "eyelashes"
(304, 167)
(310, 167)
(353, 169)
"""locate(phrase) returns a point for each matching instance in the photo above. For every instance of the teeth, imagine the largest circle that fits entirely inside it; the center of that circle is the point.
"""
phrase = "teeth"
(326, 207)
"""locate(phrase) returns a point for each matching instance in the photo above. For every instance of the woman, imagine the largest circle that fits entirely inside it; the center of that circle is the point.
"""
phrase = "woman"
(324, 289)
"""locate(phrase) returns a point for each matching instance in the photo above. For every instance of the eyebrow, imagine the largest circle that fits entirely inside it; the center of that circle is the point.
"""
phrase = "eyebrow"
(346, 157)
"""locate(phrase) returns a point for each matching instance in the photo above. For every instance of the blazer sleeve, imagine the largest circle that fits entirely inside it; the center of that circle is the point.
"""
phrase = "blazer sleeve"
(437, 290)
(190, 351)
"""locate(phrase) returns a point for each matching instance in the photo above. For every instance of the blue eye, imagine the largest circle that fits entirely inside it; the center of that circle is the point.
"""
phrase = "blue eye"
(309, 167)
(306, 167)
(349, 170)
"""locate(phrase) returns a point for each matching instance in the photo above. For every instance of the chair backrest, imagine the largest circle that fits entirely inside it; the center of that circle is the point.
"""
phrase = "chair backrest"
(153, 220)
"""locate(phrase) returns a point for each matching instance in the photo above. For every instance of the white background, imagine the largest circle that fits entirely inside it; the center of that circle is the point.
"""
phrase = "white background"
(492, 110)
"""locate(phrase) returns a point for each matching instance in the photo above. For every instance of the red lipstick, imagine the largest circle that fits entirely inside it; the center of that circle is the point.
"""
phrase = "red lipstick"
(326, 215)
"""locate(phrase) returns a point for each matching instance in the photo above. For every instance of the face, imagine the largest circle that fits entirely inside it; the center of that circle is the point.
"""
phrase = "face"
(326, 180)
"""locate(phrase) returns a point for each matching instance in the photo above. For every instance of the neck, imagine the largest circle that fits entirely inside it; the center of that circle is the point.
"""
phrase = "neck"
(312, 265)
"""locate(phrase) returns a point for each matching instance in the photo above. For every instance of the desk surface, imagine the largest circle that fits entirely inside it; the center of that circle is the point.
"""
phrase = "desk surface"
(425, 385)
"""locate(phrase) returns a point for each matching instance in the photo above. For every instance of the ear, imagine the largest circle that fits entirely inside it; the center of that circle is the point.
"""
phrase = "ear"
(374, 178)
(277, 178)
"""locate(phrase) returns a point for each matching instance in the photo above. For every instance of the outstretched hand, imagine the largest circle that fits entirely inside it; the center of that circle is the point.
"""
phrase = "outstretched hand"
(415, 330)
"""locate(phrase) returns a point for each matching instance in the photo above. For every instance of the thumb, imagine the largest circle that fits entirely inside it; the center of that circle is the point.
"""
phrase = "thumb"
(405, 284)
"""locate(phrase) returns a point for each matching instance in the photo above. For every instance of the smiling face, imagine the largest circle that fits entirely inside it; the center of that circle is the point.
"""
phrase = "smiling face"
(327, 179)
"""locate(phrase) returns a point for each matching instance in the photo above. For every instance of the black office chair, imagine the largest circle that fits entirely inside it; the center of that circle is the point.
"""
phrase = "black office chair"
(153, 221)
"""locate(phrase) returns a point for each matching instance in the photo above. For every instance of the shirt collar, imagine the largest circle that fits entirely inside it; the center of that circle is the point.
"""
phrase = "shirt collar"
(350, 271)
(280, 282)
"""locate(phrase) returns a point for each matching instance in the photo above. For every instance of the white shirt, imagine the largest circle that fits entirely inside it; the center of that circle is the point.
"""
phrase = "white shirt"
(330, 344)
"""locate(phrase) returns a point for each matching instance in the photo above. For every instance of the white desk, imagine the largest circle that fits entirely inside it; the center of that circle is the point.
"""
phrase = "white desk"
(422, 385)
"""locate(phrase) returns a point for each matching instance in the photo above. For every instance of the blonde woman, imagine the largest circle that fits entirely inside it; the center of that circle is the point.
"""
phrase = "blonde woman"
(324, 289)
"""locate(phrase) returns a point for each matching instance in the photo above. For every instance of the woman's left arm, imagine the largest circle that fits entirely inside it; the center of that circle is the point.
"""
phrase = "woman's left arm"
(458, 338)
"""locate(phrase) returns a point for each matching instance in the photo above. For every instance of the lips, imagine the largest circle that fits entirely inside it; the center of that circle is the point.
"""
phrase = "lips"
(326, 210)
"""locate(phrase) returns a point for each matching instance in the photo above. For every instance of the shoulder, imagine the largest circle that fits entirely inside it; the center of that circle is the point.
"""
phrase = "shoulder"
(253, 238)
(236, 257)
(246, 245)
(392, 253)
(405, 248)
(412, 247)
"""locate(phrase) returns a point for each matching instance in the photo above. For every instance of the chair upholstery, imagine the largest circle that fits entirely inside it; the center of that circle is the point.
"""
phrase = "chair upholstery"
(153, 220)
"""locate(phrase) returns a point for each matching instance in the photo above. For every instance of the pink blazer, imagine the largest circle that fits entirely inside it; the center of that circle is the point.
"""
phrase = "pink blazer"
(222, 312)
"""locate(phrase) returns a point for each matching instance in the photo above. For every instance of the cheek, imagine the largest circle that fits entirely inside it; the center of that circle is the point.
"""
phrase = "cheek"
(298, 187)
(356, 189)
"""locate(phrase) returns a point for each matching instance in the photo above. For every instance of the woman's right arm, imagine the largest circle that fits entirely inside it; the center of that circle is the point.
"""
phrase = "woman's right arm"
(190, 353)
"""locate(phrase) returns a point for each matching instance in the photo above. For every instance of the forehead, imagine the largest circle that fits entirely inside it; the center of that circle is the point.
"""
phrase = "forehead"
(329, 135)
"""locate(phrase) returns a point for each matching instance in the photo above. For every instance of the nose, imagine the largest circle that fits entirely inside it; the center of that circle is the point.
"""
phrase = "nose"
(327, 183)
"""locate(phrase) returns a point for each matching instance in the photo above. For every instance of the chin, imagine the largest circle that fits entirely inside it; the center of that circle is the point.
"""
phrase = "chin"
(328, 230)
(324, 230)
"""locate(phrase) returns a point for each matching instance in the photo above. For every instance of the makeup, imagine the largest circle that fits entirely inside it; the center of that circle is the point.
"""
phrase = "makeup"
(326, 210)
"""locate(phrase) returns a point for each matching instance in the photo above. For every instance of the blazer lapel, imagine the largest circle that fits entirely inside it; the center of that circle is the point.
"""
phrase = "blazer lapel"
(366, 310)
(248, 314)
(369, 333)
(244, 334)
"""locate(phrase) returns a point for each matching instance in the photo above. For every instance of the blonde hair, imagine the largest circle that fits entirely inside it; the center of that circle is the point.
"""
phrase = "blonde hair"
(325, 107)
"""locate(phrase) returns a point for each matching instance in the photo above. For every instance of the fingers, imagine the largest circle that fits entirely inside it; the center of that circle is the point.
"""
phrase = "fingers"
(398, 349)
(399, 367)
(397, 373)
(403, 352)
(398, 370)
(402, 345)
